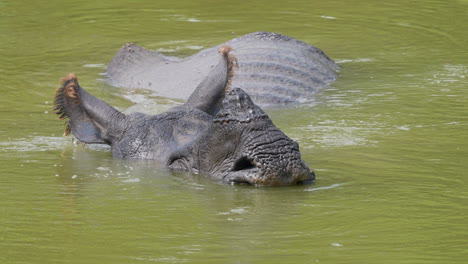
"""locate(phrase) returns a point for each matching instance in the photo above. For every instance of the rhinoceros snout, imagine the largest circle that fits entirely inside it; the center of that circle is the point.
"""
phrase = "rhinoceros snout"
(247, 171)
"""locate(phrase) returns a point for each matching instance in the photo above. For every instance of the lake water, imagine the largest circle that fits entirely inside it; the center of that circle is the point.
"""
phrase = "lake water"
(388, 140)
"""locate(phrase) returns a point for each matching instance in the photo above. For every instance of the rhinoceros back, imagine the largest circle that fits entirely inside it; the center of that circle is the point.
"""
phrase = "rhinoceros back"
(277, 69)
(273, 69)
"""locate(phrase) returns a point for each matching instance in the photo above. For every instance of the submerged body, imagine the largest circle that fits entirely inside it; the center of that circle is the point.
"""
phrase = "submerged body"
(273, 69)
(219, 131)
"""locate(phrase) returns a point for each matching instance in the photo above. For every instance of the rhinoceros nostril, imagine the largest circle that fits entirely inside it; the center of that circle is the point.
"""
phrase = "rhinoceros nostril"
(243, 163)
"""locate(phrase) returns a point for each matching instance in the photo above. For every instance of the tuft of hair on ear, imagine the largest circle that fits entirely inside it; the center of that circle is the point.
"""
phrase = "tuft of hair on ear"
(225, 51)
(65, 94)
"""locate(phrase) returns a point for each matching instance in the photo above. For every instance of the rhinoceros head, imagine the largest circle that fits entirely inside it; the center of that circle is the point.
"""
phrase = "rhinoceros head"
(243, 145)
(219, 131)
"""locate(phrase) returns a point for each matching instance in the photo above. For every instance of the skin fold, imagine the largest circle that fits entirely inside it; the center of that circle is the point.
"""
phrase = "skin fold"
(273, 69)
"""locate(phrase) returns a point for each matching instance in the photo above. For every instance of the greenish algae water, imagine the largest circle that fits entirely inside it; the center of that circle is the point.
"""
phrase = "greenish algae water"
(388, 140)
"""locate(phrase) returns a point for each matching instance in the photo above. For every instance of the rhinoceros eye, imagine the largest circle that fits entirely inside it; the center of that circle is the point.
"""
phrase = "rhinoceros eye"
(243, 163)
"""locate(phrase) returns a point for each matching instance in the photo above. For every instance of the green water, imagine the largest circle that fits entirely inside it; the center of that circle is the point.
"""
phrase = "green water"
(388, 140)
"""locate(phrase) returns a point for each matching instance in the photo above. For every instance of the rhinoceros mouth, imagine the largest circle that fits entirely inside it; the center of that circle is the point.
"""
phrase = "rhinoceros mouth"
(245, 177)
(253, 177)
(248, 171)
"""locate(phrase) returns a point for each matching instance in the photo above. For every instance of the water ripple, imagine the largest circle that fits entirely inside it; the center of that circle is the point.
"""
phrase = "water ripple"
(333, 186)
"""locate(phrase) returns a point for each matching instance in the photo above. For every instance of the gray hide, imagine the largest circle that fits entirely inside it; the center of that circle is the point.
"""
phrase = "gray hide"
(274, 69)
(219, 132)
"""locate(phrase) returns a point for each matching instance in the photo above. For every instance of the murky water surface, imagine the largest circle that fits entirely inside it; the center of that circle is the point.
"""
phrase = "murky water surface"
(388, 140)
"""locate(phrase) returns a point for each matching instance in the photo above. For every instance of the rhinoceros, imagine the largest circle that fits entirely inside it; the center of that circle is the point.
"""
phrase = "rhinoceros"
(274, 69)
(217, 132)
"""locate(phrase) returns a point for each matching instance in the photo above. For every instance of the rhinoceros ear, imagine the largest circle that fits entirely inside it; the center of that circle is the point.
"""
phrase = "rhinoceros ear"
(90, 119)
(209, 94)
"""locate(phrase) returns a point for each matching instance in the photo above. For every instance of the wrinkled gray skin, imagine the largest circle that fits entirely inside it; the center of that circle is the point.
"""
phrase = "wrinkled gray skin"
(219, 131)
(273, 69)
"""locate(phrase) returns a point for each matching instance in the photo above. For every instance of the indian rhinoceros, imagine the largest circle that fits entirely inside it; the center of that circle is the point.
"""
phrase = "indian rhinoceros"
(218, 131)
(274, 69)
